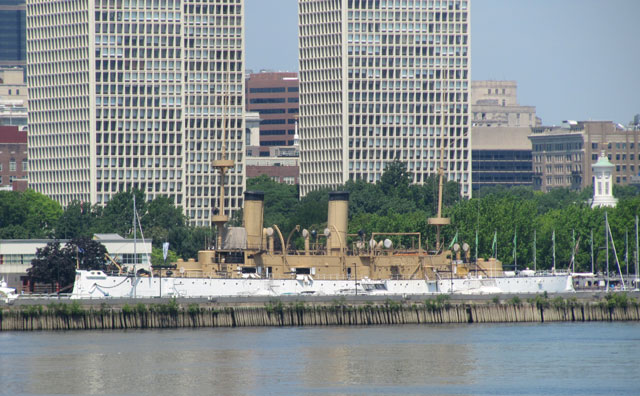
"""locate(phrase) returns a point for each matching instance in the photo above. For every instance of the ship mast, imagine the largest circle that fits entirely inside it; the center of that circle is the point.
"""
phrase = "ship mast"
(219, 219)
(440, 221)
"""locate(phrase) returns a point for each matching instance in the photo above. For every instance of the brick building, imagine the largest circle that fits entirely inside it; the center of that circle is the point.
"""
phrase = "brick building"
(274, 95)
(13, 157)
(562, 156)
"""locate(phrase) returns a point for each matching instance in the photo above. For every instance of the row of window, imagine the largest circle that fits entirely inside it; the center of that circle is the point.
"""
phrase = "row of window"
(279, 111)
(13, 166)
(278, 121)
(276, 132)
(273, 90)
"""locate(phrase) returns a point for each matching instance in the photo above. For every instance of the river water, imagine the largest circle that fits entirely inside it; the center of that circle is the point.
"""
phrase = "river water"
(509, 359)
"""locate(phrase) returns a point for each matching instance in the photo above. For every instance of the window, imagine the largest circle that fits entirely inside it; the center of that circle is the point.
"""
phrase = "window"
(266, 90)
(266, 100)
(12, 165)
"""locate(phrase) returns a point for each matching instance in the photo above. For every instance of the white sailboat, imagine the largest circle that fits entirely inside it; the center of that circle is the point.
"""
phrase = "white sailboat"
(7, 294)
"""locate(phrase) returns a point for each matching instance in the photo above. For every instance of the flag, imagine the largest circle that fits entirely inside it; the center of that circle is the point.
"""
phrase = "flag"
(80, 250)
(495, 243)
(476, 244)
(165, 250)
(454, 240)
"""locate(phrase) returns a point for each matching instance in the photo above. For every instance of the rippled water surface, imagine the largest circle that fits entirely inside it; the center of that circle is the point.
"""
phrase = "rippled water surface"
(531, 359)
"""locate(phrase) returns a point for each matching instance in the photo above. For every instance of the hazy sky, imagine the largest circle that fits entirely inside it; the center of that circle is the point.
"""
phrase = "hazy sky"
(572, 59)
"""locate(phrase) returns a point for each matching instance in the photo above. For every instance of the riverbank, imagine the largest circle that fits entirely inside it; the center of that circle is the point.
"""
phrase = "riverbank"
(113, 314)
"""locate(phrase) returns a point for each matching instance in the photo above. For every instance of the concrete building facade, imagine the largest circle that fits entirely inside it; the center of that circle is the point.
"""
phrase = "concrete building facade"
(136, 94)
(501, 157)
(495, 104)
(274, 95)
(382, 81)
(282, 169)
(562, 156)
(13, 87)
(13, 96)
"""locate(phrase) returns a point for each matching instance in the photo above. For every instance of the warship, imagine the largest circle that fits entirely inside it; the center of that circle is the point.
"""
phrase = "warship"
(254, 260)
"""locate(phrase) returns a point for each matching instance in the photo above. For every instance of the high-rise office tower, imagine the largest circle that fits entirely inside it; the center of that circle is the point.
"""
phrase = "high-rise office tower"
(384, 80)
(136, 94)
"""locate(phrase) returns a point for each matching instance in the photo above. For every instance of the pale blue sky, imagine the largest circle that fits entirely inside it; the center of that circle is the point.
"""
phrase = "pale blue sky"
(572, 59)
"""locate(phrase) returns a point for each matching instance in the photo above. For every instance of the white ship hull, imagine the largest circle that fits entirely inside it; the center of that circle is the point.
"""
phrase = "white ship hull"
(96, 284)
(560, 283)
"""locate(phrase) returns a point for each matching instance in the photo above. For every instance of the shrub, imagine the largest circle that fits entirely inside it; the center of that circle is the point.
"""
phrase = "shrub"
(558, 303)
(127, 309)
(515, 300)
(542, 302)
(75, 309)
(193, 309)
(274, 306)
(141, 308)
(31, 311)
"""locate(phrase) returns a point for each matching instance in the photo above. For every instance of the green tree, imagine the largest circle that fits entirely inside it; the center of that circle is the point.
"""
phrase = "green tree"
(117, 215)
(55, 264)
(89, 254)
(157, 259)
(188, 241)
(52, 265)
(78, 220)
(161, 217)
(27, 214)
(395, 180)
(280, 200)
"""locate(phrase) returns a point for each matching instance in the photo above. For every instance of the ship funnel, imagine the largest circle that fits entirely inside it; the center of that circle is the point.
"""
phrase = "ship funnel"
(253, 218)
(337, 221)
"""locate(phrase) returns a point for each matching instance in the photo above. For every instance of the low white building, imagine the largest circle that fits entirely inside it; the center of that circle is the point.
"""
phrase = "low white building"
(16, 254)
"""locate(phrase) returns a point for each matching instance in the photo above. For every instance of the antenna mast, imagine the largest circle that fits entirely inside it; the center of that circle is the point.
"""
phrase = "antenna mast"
(222, 164)
(440, 221)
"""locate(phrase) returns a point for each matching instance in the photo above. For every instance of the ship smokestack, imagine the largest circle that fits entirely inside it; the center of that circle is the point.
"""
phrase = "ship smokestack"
(337, 221)
(253, 218)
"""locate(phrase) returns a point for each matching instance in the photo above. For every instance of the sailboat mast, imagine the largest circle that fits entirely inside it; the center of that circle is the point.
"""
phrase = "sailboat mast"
(135, 235)
(606, 239)
(636, 272)
(626, 251)
(535, 266)
(592, 269)
(553, 244)
(573, 254)
(515, 250)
